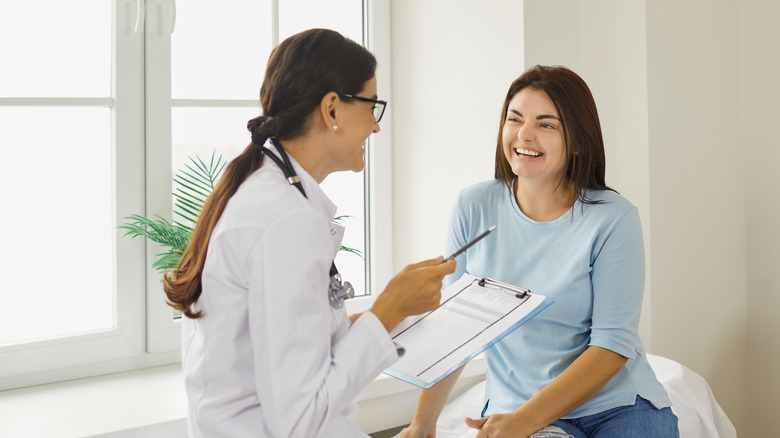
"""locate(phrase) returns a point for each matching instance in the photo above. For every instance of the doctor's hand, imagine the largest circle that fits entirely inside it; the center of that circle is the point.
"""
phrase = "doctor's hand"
(414, 290)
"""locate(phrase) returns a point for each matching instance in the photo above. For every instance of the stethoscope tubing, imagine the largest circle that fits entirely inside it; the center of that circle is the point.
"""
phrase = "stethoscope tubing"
(338, 290)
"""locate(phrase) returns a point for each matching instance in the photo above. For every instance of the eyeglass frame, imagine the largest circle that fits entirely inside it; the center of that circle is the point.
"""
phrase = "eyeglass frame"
(374, 101)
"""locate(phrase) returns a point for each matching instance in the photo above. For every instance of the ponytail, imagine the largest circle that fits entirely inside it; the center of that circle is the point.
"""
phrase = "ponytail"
(183, 284)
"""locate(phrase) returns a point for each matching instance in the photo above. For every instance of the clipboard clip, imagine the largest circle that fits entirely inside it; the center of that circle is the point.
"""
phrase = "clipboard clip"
(500, 285)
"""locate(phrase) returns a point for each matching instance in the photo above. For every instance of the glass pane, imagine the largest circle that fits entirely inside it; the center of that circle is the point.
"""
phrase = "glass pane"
(55, 48)
(343, 16)
(345, 189)
(219, 50)
(58, 268)
(201, 131)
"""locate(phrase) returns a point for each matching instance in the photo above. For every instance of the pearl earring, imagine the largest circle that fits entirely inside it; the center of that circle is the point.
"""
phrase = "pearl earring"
(335, 127)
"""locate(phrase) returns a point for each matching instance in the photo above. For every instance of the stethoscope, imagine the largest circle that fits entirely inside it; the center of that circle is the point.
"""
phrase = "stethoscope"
(338, 290)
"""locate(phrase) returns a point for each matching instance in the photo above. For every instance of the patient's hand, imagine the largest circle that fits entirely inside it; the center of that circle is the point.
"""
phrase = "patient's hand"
(498, 425)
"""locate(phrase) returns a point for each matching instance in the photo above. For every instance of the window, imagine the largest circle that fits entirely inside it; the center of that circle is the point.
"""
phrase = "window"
(101, 102)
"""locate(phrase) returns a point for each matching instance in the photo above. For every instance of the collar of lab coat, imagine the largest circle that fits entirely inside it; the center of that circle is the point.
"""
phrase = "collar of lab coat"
(319, 199)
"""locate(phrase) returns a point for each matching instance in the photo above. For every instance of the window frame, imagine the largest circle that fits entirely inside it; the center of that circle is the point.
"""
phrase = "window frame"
(145, 333)
(120, 348)
(378, 179)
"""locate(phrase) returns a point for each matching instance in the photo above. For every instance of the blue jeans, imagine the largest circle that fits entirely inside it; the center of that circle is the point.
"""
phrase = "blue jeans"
(641, 420)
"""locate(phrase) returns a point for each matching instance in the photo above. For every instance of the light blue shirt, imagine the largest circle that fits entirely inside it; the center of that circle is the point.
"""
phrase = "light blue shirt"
(590, 261)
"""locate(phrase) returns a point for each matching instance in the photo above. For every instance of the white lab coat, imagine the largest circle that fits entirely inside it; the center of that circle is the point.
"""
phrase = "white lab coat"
(271, 357)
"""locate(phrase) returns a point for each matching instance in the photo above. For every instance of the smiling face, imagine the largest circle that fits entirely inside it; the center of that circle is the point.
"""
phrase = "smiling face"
(533, 138)
(356, 125)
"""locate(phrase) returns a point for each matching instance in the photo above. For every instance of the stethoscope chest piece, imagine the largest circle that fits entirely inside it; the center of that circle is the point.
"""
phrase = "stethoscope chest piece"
(339, 291)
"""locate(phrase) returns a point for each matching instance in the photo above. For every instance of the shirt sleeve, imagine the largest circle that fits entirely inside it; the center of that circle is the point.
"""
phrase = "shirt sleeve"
(618, 276)
(304, 374)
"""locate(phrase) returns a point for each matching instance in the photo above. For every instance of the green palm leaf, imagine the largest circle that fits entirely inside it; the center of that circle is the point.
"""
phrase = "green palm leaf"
(192, 187)
(355, 251)
(340, 220)
(174, 236)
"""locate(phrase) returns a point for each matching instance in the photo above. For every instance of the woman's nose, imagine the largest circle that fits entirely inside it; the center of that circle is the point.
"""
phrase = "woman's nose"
(376, 127)
(526, 133)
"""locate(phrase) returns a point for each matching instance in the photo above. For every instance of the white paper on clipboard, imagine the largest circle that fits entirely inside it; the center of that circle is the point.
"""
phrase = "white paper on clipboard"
(473, 315)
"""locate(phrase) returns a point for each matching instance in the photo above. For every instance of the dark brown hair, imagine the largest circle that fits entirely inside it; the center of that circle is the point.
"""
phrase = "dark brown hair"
(583, 142)
(300, 72)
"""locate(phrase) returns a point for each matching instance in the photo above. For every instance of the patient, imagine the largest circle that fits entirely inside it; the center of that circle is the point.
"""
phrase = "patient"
(579, 366)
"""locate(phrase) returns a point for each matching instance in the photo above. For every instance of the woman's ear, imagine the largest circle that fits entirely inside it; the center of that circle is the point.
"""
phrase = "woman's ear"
(329, 109)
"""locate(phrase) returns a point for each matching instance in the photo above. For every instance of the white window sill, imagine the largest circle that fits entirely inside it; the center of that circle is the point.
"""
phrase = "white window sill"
(151, 403)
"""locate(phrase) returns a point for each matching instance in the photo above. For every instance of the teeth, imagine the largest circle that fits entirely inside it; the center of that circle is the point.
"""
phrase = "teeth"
(527, 152)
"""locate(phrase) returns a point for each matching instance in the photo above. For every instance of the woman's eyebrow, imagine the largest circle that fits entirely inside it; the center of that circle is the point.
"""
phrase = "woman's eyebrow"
(540, 117)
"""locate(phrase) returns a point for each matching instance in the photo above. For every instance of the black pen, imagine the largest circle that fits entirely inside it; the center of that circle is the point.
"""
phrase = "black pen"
(468, 245)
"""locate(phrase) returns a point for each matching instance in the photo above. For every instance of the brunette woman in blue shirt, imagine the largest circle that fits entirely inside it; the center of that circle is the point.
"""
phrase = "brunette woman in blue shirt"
(578, 368)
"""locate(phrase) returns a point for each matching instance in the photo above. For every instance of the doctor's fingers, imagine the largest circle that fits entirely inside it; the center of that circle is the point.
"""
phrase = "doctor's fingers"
(432, 276)
(430, 262)
(415, 291)
(434, 271)
(442, 269)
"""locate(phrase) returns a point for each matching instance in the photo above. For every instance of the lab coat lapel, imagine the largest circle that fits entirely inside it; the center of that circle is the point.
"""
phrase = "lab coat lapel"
(322, 203)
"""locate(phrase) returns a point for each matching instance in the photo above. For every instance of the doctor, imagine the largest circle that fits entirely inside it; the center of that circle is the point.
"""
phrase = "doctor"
(267, 348)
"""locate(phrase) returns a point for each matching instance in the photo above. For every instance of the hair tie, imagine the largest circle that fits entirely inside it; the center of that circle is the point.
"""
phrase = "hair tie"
(262, 128)
(258, 139)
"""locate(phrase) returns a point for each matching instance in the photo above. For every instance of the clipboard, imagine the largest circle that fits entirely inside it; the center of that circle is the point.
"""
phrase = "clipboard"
(474, 314)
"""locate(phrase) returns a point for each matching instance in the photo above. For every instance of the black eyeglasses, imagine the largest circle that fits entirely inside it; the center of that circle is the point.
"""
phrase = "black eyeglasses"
(379, 105)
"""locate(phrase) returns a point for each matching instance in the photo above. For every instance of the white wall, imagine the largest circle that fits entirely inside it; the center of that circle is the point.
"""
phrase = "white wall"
(697, 180)
(453, 61)
(760, 51)
(688, 97)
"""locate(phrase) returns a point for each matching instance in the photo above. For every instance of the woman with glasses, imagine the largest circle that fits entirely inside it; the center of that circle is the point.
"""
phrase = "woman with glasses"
(268, 350)
(578, 369)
